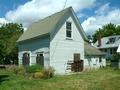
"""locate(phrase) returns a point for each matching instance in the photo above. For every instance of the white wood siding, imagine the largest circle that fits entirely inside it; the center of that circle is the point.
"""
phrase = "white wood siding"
(62, 50)
(33, 46)
(94, 63)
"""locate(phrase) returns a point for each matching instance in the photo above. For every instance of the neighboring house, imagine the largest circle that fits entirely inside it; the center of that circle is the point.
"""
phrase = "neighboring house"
(108, 44)
(118, 50)
(56, 41)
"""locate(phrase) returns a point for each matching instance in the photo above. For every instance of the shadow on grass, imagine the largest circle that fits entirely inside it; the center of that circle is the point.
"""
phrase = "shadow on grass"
(3, 78)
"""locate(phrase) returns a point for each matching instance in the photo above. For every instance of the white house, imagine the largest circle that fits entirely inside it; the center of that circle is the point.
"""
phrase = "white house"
(109, 45)
(118, 50)
(58, 41)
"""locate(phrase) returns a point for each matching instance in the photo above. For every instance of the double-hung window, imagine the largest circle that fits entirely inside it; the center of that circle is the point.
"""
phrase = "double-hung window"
(68, 29)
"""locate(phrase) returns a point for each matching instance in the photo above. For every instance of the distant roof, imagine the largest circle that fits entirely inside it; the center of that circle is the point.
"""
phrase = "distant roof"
(92, 51)
(106, 42)
(46, 25)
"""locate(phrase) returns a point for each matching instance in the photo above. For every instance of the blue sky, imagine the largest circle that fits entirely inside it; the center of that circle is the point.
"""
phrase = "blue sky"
(92, 13)
(6, 5)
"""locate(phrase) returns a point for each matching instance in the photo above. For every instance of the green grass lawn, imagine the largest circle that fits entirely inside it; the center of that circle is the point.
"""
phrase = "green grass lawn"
(102, 79)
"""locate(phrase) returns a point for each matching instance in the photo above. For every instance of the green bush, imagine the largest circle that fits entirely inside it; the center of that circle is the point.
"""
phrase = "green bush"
(116, 57)
(33, 68)
(115, 61)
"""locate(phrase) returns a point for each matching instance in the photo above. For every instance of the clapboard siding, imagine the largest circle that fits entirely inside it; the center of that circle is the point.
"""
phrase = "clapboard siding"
(33, 46)
(94, 62)
(62, 50)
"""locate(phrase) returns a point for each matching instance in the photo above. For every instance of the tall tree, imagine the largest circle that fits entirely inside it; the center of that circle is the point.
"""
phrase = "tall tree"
(107, 30)
(9, 33)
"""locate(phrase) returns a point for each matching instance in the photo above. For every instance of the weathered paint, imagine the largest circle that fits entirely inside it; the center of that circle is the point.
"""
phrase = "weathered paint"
(94, 62)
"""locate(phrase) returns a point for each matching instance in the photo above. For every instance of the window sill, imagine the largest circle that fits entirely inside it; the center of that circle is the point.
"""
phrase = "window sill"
(69, 38)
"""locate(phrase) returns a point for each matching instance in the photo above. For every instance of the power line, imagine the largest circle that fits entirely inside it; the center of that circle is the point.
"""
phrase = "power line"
(65, 4)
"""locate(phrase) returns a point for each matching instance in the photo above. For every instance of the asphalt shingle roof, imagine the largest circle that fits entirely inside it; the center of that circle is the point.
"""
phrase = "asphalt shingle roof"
(45, 26)
(92, 51)
(42, 27)
(105, 44)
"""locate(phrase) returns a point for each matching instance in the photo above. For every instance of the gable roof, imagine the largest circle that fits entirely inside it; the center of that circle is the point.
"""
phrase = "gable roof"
(47, 25)
(92, 51)
(105, 42)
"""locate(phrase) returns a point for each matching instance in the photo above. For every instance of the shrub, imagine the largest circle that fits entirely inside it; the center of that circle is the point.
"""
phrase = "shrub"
(116, 57)
(16, 69)
(34, 68)
(38, 75)
(115, 61)
(49, 72)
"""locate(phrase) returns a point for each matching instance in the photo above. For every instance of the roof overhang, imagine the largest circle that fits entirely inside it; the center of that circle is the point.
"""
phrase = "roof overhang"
(41, 36)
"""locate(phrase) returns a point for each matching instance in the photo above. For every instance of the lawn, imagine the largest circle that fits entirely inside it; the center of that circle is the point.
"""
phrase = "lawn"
(102, 79)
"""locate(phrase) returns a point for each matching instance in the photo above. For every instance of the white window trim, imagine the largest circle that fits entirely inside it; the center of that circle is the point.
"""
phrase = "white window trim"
(29, 54)
(69, 38)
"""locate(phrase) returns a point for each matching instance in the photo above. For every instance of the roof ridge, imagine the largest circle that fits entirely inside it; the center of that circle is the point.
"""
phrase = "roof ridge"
(111, 36)
(52, 15)
(50, 20)
(39, 27)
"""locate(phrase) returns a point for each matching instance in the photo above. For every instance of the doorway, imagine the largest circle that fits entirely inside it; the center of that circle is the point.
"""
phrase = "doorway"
(26, 59)
(40, 59)
(77, 65)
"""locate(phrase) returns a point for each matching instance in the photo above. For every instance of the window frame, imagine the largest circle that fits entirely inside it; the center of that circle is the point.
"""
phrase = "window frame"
(40, 54)
(68, 30)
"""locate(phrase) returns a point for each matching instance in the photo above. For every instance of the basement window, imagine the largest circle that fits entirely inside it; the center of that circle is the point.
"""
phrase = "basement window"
(68, 29)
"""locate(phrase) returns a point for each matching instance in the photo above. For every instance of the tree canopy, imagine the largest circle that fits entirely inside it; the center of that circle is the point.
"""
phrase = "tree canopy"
(9, 34)
(107, 30)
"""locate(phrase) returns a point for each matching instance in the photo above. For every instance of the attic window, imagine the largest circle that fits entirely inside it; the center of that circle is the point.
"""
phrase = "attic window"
(111, 40)
(68, 29)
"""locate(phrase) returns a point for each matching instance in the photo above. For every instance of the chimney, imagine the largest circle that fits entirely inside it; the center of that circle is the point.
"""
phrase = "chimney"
(99, 40)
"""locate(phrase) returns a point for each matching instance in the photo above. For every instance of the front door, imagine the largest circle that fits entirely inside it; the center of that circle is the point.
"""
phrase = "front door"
(77, 65)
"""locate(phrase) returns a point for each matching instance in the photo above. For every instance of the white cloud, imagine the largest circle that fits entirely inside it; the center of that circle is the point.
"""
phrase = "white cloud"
(3, 21)
(37, 9)
(91, 24)
(103, 9)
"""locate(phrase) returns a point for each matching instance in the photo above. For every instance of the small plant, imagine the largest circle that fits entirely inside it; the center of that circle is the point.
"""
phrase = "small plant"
(34, 68)
(16, 69)
(49, 72)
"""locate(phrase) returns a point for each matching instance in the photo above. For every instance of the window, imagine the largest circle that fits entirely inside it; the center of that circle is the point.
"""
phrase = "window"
(100, 60)
(40, 59)
(68, 29)
(111, 40)
(105, 50)
(111, 51)
(40, 54)
(26, 59)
